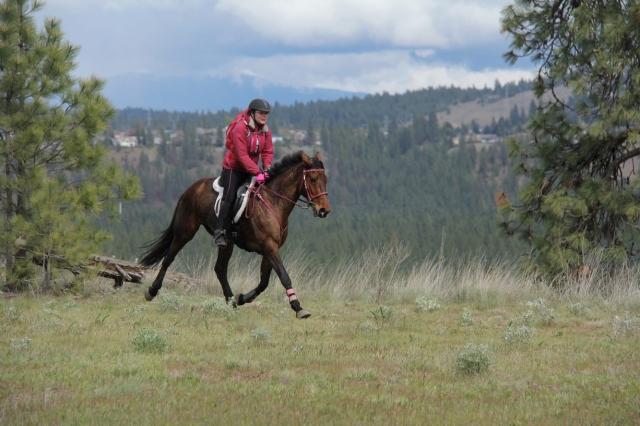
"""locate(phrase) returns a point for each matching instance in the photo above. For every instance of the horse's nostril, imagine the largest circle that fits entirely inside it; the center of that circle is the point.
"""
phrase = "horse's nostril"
(323, 213)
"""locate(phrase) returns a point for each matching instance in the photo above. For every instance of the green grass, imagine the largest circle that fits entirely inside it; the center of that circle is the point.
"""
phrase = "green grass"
(107, 357)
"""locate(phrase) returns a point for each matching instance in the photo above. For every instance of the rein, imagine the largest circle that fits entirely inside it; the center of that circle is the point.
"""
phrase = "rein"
(255, 192)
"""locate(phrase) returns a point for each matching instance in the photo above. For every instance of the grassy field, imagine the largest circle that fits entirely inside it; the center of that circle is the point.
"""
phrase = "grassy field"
(466, 343)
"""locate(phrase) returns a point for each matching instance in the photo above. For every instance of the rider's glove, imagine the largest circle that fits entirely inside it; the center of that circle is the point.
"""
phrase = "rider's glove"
(261, 177)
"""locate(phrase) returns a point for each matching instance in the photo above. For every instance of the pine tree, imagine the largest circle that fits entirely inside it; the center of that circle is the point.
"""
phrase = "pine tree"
(433, 128)
(311, 133)
(324, 134)
(582, 200)
(54, 179)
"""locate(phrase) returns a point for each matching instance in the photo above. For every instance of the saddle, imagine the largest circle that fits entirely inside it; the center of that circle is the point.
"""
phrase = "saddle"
(241, 199)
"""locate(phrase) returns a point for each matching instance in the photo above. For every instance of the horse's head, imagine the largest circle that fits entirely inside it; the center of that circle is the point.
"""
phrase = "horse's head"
(314, 181)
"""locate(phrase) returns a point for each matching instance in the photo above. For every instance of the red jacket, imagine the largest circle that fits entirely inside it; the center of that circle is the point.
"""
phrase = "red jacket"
(248, 144)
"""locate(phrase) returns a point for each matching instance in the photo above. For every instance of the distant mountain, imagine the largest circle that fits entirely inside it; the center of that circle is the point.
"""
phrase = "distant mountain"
(203, 94)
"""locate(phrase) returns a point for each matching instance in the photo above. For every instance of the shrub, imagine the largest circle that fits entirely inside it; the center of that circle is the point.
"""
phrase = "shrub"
(625, 327)
(579, 309)
(218, 307)
(368, 327)
(14, 314)
(518, 334)
(20, 344)
(545, 314)
(170, 302)
(472, 359)
(150, 341)
(523, 318)
(260, 334)
(466, 319)
(383, 313)
(424, 304)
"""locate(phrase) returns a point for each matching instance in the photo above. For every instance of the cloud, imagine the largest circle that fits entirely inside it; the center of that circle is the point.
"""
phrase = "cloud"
(394, 71)
(410, 23)
(125, 5)
(359, 46)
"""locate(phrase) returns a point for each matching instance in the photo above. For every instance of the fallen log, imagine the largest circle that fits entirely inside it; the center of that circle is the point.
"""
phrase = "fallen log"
(120, 271)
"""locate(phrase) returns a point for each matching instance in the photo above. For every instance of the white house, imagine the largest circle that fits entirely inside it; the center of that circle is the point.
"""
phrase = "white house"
(125, 140)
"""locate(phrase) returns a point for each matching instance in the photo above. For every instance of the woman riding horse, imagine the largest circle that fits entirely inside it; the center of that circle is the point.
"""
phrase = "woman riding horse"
(263, 226)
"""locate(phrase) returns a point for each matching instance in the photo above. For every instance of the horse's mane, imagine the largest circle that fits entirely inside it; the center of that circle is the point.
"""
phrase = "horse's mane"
(289, 161)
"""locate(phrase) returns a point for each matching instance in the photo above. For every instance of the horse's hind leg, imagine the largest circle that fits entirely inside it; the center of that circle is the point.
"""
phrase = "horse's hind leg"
(176, 245)
(274, 258)
(265, 274)
(221, 268)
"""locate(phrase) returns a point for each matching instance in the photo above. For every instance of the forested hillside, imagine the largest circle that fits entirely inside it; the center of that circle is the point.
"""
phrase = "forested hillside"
(396, 174)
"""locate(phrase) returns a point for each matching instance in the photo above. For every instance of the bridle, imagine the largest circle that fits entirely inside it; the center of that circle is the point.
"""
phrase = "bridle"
(310, 197)
(255, 192)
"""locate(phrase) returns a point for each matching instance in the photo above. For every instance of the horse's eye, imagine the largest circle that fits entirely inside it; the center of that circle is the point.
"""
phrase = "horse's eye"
(313, 180)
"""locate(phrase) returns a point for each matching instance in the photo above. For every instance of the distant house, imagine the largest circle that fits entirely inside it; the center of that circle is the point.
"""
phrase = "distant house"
(299, 137)
(490, 138)
(125, 139)
(157, 137)
(202, 134)
(277, 139)
(484, 138)
(177, 137)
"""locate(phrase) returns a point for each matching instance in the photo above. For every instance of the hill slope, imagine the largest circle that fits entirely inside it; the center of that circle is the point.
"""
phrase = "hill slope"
(493, 109)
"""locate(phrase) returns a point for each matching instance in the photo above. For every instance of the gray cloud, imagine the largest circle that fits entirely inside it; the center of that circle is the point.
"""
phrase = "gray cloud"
(410, 23)
(393, 71)
(366, 46)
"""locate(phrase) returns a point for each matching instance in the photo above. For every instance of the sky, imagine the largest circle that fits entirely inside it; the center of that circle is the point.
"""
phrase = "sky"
(351, 46)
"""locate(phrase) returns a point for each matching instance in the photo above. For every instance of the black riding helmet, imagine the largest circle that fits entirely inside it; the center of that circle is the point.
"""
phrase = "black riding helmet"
(259, 105)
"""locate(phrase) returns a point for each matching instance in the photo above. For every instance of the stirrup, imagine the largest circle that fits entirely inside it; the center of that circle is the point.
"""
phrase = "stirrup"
(220, 239)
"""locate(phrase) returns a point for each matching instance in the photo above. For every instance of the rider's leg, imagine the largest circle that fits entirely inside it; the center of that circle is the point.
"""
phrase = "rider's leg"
(230, 180)
(222, 224)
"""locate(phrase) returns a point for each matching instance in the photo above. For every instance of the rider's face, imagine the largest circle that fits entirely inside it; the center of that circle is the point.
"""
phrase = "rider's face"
(260, 117)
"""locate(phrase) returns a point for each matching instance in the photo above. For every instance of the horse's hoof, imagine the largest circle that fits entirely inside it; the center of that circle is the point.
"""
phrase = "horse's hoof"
(237, 299)
(302, 314)
(148, 297)
(233, 302)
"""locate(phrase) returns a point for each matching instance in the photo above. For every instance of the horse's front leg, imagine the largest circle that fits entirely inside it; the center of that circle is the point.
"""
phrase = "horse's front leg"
(265, 274)
(221, 267)
(273, 255)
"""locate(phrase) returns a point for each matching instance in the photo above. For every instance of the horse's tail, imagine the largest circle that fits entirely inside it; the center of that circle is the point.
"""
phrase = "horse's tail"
(158, 248)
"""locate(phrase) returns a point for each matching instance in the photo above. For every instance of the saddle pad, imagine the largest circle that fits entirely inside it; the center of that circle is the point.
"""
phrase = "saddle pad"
(243, 197)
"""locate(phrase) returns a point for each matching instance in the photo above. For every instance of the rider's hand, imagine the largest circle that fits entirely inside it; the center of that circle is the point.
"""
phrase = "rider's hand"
(260, 177)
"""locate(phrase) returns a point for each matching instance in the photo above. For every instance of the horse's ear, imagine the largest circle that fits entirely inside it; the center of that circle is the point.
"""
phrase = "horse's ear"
(318, 156)
(305, 159)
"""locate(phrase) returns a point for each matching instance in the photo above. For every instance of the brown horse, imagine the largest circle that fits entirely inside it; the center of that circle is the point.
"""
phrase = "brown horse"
(263, 228)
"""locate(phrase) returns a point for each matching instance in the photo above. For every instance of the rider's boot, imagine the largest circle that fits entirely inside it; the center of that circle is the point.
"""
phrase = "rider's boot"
(222, 223)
